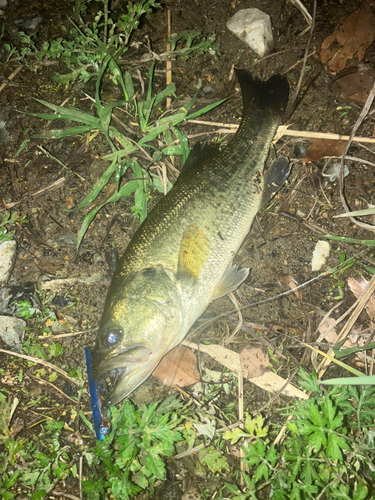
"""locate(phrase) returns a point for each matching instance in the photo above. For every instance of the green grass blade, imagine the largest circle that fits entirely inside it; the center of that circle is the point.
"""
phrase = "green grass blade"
(126, 190)
(86, 223)
(367, 243)
(60, 133)
(129, 147)
(166, 121)
(191, 103)
(98, 83)
(172, 150)
(169, 90)
(154, 133)
(341, 353)
(129, 87)
(204, 110)
(99, 185)
(150, 77)
(71, 113)
(184, 143)
(140, 197)
(366, 211)
(364, 380)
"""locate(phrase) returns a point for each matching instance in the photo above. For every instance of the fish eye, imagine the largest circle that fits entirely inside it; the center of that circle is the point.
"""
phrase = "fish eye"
(112, 337)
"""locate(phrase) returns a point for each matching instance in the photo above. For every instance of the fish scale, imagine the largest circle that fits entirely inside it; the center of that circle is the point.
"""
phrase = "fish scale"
(180, 258)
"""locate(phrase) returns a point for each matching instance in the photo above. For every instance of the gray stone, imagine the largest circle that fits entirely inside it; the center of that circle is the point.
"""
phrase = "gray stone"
(253, 27)
(7, 260)
(12, 331)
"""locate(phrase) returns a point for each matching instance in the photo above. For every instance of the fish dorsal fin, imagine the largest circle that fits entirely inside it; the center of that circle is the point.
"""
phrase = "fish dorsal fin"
(275, 178)
(231, 279)
(197, 156)
(193, 252)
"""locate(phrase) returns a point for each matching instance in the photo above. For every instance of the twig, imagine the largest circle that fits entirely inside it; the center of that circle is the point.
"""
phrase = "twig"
(168, 63)
(302, 73)
(284, 130)
(45, 382)
(50, 155)
(359, 306)
(52, 187)
(42, 362)
(304, 11)
(12, 76)
(361, 117)
(304, 59)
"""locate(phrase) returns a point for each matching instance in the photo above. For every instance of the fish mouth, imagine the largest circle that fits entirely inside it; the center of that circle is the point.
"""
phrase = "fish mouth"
(124, 373)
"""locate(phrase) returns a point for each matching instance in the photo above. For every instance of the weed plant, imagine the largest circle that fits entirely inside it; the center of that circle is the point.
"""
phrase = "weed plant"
(86, 43)
(121, 159)
(327, 451)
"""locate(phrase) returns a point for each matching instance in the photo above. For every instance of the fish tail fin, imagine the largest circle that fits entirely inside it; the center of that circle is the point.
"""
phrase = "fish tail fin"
(272, 94)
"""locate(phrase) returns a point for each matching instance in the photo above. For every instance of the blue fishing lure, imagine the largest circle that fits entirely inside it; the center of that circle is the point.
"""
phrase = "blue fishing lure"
(101, 423)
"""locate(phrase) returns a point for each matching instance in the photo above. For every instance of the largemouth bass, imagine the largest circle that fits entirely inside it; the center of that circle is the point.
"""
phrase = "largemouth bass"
(180, 258)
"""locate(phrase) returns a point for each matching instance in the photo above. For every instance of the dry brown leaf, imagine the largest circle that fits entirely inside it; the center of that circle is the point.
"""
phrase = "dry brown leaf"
(349, 41)
(330, 336)
(357, 286)
(319, 148)
(254, 362)
(290, 283)
(269, 381)
(356, 86)
(178, 367)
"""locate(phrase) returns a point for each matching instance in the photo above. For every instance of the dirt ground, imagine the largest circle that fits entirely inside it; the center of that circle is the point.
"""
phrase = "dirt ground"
(281, 242)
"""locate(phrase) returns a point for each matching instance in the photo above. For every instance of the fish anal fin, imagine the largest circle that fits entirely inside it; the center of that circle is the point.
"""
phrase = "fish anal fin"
(231, 279)
(275, 178)
(193, 252)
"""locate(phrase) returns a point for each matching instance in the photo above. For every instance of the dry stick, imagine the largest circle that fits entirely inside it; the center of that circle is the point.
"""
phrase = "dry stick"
(45, 382)
(42, 362)
(241, 419)
(361, 117)
(359, 306)
(305, 12)
(304, 59)
(52, 187)
(302, 73)
(284, 130)
(168, 63)
(12, 76)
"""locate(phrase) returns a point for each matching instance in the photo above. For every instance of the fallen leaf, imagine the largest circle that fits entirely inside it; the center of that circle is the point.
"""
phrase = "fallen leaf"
(269, 381)
(331, 336)
(319, 148)
(350, 40)
(178, 367)
(357, 286)
(290, 283)
(254, 362)
(356, 86)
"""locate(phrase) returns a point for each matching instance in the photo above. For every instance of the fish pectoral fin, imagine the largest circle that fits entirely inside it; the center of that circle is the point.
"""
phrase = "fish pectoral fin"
(193, 252)
(275, 178)
(231, 279)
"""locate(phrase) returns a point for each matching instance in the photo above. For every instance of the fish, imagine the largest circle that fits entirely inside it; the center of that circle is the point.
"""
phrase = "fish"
(181, 257)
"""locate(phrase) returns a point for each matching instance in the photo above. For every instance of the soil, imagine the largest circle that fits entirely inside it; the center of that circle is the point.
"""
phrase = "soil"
(281, 241)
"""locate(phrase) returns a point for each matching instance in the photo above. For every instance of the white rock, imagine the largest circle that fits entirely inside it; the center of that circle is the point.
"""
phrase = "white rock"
(321, 252)
(7, 259)
(253, 27)
(12, 331)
